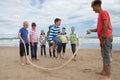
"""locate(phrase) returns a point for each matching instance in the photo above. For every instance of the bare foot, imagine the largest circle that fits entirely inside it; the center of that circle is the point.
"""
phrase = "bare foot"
(58, 57)
(106, 78)
(62, 57)
(74, 59)
(101, 73)
(27, 63)
(22, 64)
(111, 59)
(36, 59)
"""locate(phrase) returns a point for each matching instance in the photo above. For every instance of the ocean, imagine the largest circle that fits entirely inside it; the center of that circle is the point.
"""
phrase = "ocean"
(88, 43)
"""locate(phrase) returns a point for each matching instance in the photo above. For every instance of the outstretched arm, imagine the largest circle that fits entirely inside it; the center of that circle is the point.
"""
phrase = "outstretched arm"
(91, 30)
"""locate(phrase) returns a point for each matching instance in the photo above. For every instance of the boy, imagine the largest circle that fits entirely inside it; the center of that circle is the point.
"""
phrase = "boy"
(23, 36)
(74, 40)
(104, 31)
(53, 36)
(64, 38)
(50, 53)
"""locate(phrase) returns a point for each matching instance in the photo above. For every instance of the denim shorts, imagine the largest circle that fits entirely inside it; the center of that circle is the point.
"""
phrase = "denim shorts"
(105, 50)
(57, 40)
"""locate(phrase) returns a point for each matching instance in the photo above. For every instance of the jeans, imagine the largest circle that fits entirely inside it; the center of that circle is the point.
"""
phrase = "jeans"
(34, 50)
(57, 40)
(73, 46)
(43, 47)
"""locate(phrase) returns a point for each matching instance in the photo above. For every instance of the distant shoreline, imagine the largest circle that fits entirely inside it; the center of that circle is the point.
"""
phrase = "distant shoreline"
(7, 38)
(17, 38)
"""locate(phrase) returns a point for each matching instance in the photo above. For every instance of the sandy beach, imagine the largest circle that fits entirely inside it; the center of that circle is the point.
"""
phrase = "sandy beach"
(88, 62)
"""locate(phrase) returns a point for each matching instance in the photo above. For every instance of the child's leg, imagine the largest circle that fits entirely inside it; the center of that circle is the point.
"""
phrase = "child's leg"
(53, 47)
(54, 53)
(59, 50)
(35, 50)
(64, 48)
(26, 61)
(44, 50)
(31, 48)
(50, 50)
(27, 47)
(41, 50)
(73, 50)
(21, 60)
(21, 53)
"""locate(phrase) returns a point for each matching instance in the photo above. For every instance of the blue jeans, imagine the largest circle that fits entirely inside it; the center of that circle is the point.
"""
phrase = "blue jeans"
(34, 50)
(57, 40)
(73, 46)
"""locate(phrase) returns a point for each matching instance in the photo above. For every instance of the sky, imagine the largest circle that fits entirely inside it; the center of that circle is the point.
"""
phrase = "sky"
(77, 13)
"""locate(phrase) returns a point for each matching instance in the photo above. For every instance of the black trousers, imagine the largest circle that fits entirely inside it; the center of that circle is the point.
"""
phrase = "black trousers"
(63, 47)
(43, 48)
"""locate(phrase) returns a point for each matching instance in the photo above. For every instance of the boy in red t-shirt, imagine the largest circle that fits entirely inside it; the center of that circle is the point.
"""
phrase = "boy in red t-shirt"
(104, 31)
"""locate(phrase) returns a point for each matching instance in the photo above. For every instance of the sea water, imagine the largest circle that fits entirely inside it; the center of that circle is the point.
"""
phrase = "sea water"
(88, 43)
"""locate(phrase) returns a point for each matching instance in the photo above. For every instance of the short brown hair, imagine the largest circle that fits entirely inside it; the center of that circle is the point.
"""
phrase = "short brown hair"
(96, 2)
(57, 19)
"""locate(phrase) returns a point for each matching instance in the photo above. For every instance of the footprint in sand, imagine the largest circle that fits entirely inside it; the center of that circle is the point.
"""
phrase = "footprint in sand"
(86, 70)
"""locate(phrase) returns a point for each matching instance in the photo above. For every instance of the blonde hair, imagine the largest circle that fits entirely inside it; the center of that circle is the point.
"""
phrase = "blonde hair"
(72, 27)
(25, 22)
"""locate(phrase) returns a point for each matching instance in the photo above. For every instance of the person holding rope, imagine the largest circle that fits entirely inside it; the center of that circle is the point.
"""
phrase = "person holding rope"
(54, 39)
(23, 36)
(104, 31)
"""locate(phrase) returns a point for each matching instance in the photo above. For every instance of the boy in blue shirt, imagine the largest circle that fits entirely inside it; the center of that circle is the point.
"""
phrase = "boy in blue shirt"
(23, 36)
(53, 37)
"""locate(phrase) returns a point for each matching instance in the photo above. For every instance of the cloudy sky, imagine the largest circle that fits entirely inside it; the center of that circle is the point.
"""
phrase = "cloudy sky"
(76, 13)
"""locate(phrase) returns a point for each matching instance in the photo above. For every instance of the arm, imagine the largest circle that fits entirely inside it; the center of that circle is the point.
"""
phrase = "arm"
(31, 40)
(67, 39)
(77, 40)
(19, 36)
(105, 29)
(40, 40)
(91, 30)
(51, 35)
(102, 41)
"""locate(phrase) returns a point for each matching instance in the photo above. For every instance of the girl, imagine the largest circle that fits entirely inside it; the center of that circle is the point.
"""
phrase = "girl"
(43, 42)
(64, 39)
(33, 42)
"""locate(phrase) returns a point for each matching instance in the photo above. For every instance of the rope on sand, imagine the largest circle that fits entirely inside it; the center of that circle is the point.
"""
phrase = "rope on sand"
(59, 67)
